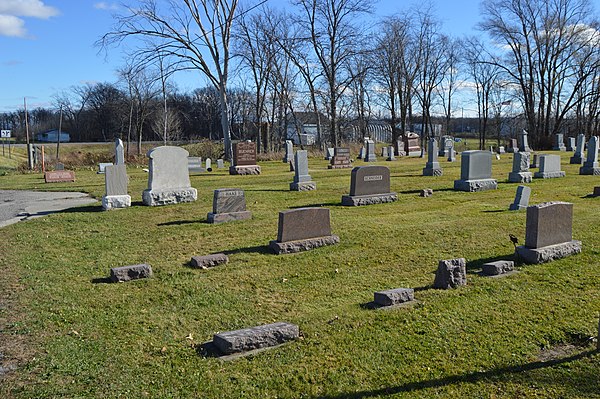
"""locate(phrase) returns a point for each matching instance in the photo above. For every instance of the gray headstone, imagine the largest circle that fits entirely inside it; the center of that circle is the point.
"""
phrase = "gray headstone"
(289, 151)
(303, 223)
(535, 161)
(370, 151)
(59, 166)
(115, 178)
(394, 297)
(559, 144)
(475, 165)
(549, 167)
(329, 153)
(432, 167)
(128, 273)
(340, 159)
(220, 164)
(195, 165)
(577, 158)
(549, 223)
(391, 156)
(227, 200)
(361, 153)
(520, 169)
(521, 198)
(367, 180)
(571, 144)
(102, 166)
(592, 153)
(168, 177)
(301, 166)
(384, 152)
(523, 141)
(256, 337)
(119, 152)
(451, 273)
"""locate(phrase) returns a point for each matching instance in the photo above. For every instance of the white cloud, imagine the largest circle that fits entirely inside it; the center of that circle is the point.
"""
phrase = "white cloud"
(12, 26)
(106, 6)
(11, 10)
(27, 8)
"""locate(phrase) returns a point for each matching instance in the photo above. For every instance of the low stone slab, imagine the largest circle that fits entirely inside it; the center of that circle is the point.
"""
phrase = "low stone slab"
(520, 177)
(549, 253)
(116, 202)
(206, 261)
(451, 273)
(216, 218)
(256, 337)
(475, 185)
(426, 192)
(59, 176)
(358, 200)
(128, 273)
(244, 170)
(169, 196)
(303, 186)
(497, 267)
(549, 175)
(394, 297)
(289, 247)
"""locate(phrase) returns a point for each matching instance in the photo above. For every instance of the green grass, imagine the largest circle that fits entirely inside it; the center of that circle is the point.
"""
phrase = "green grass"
(81, 339)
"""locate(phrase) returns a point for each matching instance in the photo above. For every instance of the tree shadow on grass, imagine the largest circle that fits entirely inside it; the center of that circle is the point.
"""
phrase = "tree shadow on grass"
(181, 222)
(495, 210)
(101, 280)
(502, 373)
(317, 205)
(79, 209)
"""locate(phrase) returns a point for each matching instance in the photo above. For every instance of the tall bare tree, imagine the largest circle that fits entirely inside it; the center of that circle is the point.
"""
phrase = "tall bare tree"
(193, 34)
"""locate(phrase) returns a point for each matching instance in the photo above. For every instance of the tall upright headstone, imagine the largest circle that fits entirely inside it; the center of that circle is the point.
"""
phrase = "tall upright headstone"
(361, 153)
(548, 233)
(571, 144)
(549, 167)
(384, 152)
(450, 152)
(391, 155)
(244, 159)
(521, 199)
(512, 146)
(412, 145)
(289, 151)
(559, 144)
(168, 177)
(302, 180)
(432, 167)
(590, 166)
(119, 152)
(115, 178)
(229, 204)
(303, 229)
(329, 151)
(475, 172)
(520, 169)
(523, 141)
(208, 164)
(369, 185)
(577, 158)
(370, 152)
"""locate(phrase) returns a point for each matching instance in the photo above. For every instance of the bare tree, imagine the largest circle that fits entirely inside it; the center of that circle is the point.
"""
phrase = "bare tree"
(184, 31)
(449, 84)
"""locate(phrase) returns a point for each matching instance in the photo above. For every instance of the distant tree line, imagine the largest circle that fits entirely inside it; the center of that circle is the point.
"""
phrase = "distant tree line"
(538, 70)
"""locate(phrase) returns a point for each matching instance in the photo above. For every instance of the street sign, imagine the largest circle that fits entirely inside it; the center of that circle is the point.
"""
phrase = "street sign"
(5, 134)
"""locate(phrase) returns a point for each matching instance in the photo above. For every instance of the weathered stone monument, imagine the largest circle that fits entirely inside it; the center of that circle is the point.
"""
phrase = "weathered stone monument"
(559, 144)
(391, 155)
(128, 273)
(370, 151)
(119, 152)
(548, 233)
(195, 165)
(521, 199)
(168, 178)
(512, 146)
(571, 144)
(475, 172)
(577, 158)
(289, 151)
(115, 178)
(432, 167)
(393, 297)
(302, 180)
(520, 169)
(303, 229)
(369, 185)
(229, 204)
(549, 167)
(451, 273)
(220, 164)
(249, 339)
(523, 142)
(244, 159)
(590, 166)
(412, 145)
(340, 159)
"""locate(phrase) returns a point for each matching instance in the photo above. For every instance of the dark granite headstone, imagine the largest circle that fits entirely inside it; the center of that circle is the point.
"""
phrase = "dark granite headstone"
(369, 185)
(303, 229)
(244, 159)
(340, 159)
(229, 204)
(475, 172)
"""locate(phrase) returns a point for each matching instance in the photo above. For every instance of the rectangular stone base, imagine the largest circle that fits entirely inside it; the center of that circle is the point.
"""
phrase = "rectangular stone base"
(549, 253)
(128, 273)
(303, 186)
(498, 267)
(475, 185)
(358, 200)
(168, 197)
(290, 247)
(549, 175)
(516, 207)
(339, 166)
(244, 170)
(116, 202)
(520, 177)
(589, 170)
(394, 297)
(206, 261)
(433, 172)
(575, 160)
(216, 218)
(256, 337)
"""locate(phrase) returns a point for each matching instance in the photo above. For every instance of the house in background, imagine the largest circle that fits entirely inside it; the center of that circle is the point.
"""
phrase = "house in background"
(301, 127)
(51, 136)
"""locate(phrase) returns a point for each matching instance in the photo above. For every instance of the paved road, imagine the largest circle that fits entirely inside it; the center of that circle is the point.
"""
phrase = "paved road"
(18, 205)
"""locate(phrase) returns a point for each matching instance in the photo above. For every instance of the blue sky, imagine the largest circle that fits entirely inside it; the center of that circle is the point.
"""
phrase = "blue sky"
(47, 46)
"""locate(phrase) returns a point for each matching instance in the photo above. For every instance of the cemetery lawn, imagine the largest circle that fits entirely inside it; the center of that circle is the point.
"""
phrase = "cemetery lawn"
(71, 334)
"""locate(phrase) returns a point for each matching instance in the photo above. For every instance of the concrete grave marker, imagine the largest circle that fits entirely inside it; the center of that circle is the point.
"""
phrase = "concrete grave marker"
(432, 167)
(340, 159)
(513, 146)
(195, 165)
(244, 159)
(520, 168)
(102, 167)
(384, 152)
(206, 261)
(119, 152)
(571, 144)
(329, 152)
(548, 233)
(128, 273)
(220, 164)
(116, 180)
(521, 199)
(394, 297)
(168, 177)
(289, 151)
(534, 162)
(523, 142)
(302, 180)
(59, 166)
(549, 167)
(370, 151)
(412, 146)
(451, 273)
(590, 166)
(475, 172)
(303, 229)
(559, 143)
(361, 153)
(229, 204)
(256, 337)
(498, 267)
(577, 158)
(208, 164)
(369, 185)
(391, 155)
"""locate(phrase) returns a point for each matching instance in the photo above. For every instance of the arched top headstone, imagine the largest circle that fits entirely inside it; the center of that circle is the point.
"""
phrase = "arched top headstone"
(168, 168)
